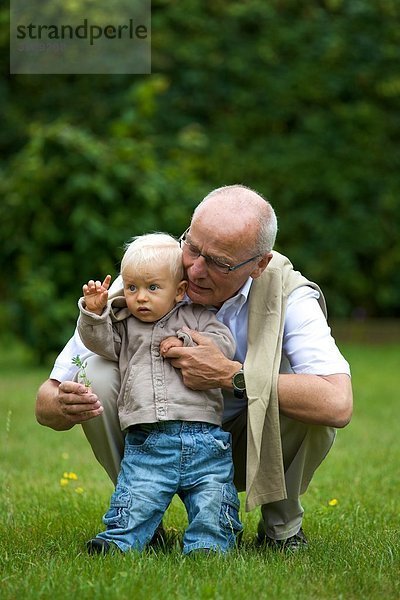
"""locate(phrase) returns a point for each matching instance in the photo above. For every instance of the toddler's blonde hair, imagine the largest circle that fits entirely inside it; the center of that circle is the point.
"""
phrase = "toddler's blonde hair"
(154, 248)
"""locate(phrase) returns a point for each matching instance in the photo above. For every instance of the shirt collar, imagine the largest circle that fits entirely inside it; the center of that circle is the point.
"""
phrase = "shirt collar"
(237, 301)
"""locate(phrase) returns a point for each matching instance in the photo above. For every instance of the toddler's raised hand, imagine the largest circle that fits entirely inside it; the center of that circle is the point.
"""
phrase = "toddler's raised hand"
(96, 294)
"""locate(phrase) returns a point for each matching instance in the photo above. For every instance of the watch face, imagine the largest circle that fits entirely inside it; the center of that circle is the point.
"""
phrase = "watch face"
(238, 381)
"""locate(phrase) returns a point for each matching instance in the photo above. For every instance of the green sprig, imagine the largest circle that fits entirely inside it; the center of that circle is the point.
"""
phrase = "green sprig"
(83, 378)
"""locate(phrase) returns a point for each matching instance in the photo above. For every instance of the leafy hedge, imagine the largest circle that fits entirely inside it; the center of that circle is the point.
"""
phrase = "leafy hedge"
(299, 100)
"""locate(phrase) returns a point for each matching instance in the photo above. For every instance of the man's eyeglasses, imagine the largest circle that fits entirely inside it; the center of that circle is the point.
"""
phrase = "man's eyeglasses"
(212, 263)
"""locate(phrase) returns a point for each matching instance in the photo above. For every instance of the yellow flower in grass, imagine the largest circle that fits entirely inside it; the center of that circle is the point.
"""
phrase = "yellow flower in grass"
(333, 502)
(70, 475)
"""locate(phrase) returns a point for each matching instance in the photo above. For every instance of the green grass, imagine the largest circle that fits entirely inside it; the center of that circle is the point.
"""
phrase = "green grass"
(354, 550)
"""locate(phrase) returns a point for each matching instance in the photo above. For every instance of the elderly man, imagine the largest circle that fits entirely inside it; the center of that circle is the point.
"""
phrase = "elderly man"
(287, 389)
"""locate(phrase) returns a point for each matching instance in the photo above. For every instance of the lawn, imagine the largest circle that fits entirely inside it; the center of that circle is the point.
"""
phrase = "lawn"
(351, 510)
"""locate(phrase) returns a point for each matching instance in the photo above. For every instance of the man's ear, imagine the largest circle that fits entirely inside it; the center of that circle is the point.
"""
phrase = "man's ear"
(262, 264)
(181, 290)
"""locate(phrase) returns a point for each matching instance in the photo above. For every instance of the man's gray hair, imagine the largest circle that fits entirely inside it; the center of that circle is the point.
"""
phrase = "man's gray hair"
(244, 197)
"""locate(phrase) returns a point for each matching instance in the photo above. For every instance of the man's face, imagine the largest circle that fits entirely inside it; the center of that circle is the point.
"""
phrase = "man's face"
(207, 285)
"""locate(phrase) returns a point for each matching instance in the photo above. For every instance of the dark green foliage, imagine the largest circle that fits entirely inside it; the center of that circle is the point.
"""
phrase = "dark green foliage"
(299, 100)
(70, 202)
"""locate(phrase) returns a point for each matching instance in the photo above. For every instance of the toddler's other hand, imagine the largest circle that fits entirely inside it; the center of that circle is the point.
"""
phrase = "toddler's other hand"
(170, 342)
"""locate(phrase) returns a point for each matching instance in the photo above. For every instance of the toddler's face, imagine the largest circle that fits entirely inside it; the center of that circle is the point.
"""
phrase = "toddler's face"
(151, 292)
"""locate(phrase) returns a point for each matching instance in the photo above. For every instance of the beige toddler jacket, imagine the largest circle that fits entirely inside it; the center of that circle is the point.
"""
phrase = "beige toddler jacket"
(151, 388)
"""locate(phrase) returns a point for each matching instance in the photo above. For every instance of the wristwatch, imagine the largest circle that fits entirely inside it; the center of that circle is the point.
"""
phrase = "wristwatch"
(239, 384)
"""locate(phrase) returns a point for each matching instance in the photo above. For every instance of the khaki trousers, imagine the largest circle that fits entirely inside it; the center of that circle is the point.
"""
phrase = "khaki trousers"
(304, 448)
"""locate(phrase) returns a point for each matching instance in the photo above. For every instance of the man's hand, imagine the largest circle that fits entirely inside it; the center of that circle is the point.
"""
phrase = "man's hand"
(63, 405)
(168, 343)
(96, 295)
(77, 403)
(204, 366)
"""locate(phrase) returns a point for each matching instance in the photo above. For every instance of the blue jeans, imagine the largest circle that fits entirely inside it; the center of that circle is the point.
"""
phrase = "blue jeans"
(160, 460)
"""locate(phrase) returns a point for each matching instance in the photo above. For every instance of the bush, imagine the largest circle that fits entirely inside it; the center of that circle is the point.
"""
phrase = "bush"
(297, 100)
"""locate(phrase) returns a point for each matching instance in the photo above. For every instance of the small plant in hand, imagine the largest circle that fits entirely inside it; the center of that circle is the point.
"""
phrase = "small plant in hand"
(83, 378)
